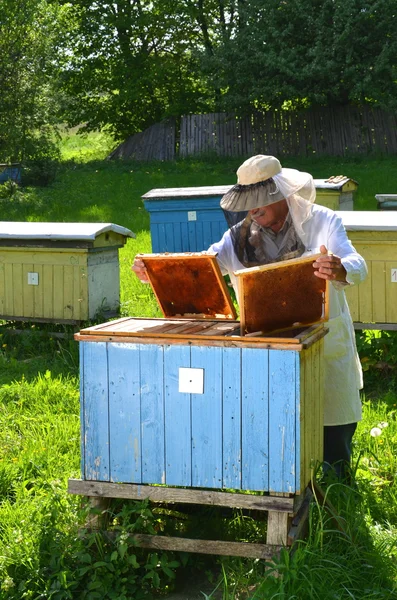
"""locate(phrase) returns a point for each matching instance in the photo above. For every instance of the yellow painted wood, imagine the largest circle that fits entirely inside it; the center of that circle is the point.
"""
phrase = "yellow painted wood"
(375, 300)
(378, 291)
(109, 238)
(328, 199)
(48, 297)
(390, 293)
(378, 251)
(357, 237)
(312, 411)
(74, 283)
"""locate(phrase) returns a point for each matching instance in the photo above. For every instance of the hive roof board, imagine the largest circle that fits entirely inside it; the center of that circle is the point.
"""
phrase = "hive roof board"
(275, 297)
(189, 284)
(281, 295)
(220, 190)
(58, 231)
(368, 220)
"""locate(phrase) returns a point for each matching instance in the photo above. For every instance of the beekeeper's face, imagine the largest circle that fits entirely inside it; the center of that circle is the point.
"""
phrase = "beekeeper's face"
(271, 216)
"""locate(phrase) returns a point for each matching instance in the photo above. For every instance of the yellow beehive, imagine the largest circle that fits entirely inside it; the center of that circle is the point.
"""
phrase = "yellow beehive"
(374, 235)
(337, 194)
(59, 272)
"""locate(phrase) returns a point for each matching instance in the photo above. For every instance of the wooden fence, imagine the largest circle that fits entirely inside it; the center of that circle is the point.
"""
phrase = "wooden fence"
(320, 131)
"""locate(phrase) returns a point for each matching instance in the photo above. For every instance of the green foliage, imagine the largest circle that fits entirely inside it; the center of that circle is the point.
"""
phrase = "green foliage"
(28, 33)
(378, 355)
(130, 66)
(309, 52)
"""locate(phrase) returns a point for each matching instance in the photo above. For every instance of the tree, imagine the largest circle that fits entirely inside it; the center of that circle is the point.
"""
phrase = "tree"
(310, 52)
(131, 63)
(27, 49)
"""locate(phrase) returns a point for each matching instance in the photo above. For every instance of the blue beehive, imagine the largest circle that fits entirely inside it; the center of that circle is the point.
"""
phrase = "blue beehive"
(192, 402)
(185, 219)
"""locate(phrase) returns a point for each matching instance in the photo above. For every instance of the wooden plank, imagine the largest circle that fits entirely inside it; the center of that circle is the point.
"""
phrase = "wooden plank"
(277, 528)
(68, 292)
(96, 412)
(255, 448)
(307, 431)
(391, 292)
(28, 293)
(152, 413)
(213, 340)
(124, 413)
(282, 421)
(300, 522)
(299, 365)
(365, 296)
(206, 419)
(378, 284)
(243, 549)
(180, 495)
(178, 418)
(231, 418)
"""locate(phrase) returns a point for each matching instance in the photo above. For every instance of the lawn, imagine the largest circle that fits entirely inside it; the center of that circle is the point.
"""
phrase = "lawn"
(42, 554)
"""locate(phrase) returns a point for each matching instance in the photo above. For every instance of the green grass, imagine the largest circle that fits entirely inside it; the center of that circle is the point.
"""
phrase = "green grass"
(42, 554)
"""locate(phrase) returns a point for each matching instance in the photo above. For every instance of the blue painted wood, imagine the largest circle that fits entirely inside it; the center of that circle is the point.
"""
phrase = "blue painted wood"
(183, 204)
(171, 231)
(82, 348)
(255, 419)
(192, 236)
(124, 413)
(177, 237)
(152, 413)
(161, 241)
(96, 412)
(298, 433)
(242, 433)
(199, 237)
(178, 449)
(206, 419)
(282, 443)
(231, 382)
(184, 238)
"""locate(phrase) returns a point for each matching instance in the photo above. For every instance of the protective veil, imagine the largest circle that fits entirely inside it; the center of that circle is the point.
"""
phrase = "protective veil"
(255, 245)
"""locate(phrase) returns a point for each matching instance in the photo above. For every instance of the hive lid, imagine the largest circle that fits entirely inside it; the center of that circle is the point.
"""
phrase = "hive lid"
(368, 220)
(186, 192)
(189, 285)
(281, 295)
(339, 183)
(58, 231)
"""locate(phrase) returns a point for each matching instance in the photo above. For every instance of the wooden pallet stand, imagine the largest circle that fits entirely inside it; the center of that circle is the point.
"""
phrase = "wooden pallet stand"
(287, 518)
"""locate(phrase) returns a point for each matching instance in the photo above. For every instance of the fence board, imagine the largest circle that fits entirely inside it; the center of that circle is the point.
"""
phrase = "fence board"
(333, 131)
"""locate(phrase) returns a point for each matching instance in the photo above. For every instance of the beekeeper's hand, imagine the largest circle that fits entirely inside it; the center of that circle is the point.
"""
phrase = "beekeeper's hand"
(328, 266)
(138, 267)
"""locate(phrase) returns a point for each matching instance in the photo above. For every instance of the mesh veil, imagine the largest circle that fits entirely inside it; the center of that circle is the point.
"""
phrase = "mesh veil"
(254, 245)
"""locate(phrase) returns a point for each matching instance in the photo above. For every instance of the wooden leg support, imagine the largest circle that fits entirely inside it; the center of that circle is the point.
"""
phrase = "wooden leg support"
(287, 516)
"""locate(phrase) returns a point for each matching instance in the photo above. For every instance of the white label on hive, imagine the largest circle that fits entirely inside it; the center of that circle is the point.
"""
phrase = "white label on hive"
(394, 275)
(33, 279)
(191, 381)
(191, 215)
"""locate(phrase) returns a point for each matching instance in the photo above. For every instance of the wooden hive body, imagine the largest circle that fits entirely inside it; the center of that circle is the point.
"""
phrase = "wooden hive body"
(254, 421)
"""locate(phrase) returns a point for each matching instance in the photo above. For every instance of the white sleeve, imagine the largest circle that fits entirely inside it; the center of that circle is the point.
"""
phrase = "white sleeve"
(224, 251)
(340, 245)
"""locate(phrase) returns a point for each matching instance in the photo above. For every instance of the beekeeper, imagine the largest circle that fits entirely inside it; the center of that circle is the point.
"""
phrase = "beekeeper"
(272, 216)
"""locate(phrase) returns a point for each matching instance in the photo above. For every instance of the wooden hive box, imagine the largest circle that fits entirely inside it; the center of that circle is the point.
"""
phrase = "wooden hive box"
(190, 401)
(59, 272)
(373, 303)
(337, 194)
